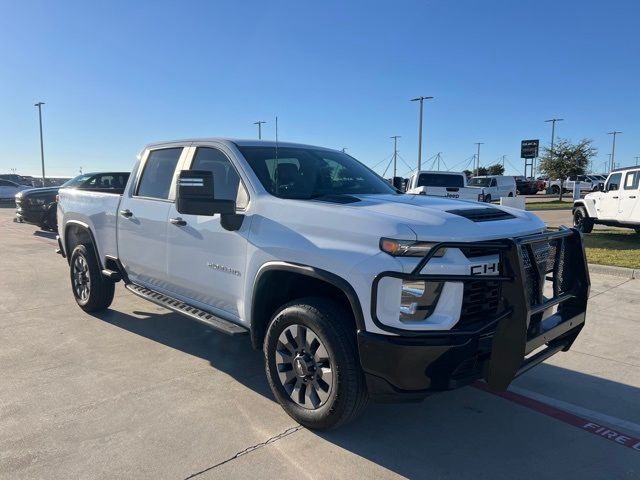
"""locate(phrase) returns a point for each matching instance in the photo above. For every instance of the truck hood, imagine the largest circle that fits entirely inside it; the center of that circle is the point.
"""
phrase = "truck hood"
(431, 218)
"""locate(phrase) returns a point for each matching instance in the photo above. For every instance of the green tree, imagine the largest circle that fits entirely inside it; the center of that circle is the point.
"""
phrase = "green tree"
(495, 169)
(482, 171)
(567, 159)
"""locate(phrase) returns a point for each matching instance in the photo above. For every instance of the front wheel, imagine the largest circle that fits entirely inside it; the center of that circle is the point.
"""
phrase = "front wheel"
(91, 290)
(312, 363)
(487, 198)
(581, 220)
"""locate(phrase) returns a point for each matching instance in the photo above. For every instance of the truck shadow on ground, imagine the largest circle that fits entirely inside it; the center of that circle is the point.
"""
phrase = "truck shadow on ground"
(462, 433)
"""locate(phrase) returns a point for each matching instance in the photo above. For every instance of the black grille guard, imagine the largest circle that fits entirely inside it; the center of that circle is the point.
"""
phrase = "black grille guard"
(527, 319)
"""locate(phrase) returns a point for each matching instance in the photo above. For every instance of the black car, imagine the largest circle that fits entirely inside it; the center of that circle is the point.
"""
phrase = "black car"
(526, 186)
(39, 205)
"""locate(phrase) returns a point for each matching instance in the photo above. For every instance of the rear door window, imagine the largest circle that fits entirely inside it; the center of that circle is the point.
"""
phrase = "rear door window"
(157, 175)
(631, 180)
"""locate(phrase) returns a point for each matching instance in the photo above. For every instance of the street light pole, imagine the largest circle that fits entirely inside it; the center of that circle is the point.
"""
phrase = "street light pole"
(553, 131)
(421, 100)
(613, 149)
(39, 105)
(637, 160)
(478, 157)
(259, 123)
(395, 154)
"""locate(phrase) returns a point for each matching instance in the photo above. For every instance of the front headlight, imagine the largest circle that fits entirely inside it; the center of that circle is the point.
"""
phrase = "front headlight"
(408, 248)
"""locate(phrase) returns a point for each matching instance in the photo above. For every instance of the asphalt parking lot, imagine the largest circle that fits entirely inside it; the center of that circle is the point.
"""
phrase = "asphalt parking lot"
(139, 392)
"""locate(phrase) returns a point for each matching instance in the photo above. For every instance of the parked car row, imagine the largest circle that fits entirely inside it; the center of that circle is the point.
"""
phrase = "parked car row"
(352, 290)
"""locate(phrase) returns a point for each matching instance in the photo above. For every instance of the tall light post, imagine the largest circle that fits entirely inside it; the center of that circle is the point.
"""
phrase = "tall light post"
(553, 132)
(637, 158)
(39, 105)
(421, 100)
(478, 157)
(613, 149)
(395, 154)
(259, 123)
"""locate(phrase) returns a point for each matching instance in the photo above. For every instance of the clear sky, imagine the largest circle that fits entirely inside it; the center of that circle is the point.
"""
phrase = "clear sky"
(117, 75)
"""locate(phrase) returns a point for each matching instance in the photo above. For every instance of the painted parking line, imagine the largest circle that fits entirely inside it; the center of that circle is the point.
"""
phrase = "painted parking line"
(591, 425)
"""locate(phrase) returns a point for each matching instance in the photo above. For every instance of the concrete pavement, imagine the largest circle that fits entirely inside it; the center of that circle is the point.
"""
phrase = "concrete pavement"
(139, 392)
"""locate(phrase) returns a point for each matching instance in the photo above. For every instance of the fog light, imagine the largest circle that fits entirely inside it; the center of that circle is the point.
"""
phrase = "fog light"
(418, 299)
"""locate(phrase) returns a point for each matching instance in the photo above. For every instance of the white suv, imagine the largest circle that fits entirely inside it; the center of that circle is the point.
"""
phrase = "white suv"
(617, 205)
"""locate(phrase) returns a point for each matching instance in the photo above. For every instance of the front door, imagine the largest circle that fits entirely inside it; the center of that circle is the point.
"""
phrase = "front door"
(206, 262)
(143, 216)
(607, 205)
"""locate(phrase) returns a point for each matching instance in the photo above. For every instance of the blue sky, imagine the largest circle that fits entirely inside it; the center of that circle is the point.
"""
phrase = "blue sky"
(117, 75)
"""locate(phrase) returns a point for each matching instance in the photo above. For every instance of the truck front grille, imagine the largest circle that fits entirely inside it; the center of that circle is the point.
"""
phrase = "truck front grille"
(480, 303)
(545, 275)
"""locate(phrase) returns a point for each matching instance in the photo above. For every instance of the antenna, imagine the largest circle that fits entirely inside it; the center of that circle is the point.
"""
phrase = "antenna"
(275, 173)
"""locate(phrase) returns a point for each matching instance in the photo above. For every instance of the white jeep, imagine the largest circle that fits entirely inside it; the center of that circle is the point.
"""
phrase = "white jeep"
(617, 205)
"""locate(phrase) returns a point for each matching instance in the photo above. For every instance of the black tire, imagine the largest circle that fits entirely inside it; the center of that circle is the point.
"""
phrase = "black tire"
(333, 328)
(555, 190)
(487, 199)
(91, 290)
(581, 220)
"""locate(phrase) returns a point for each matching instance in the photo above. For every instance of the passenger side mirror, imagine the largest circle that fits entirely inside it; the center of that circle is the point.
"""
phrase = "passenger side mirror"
(195, 195)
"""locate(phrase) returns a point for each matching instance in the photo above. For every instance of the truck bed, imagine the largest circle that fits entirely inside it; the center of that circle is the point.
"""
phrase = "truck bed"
(97, 209)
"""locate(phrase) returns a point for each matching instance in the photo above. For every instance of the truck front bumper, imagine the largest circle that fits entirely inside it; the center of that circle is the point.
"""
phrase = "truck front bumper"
(545, 287)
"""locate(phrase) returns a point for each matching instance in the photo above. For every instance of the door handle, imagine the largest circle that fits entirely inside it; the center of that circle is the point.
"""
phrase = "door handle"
(178, 221)
(126, 213)
(615, 197)
(632, 196)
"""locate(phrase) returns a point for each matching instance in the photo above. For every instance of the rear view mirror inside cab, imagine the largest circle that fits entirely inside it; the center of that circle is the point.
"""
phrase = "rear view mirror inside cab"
(195, 195)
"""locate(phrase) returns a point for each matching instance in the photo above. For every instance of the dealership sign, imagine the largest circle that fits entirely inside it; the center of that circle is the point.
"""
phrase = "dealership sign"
(529, 148)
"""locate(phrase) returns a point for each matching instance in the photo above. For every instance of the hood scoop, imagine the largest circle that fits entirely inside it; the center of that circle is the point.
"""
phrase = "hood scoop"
(338, 198)
(486, 214)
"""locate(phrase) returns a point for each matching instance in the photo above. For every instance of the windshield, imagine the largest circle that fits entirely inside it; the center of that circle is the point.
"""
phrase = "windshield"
(479, 182)
(305, 173)
(440, 180)
(74, 182)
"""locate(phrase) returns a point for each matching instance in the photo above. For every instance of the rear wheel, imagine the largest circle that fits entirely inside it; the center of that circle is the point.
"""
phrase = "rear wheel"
(91, 290)
(581, 220)
(487, 198)
(312, 363)
(555, 190)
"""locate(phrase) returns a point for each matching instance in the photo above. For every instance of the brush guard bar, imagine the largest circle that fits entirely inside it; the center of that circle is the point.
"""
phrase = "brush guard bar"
(544, 290)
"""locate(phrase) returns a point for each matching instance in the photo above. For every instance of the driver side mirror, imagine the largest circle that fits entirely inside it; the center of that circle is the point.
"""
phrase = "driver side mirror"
(195, 195)
(601, 186)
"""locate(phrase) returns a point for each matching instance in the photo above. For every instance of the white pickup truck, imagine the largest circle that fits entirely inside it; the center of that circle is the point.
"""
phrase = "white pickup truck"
(617, 205)
(351, 289)
(443, 184)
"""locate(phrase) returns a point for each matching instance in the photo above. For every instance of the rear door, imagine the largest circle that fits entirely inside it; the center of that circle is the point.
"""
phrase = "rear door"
(143, 216)
(629, 207)
(206, 263)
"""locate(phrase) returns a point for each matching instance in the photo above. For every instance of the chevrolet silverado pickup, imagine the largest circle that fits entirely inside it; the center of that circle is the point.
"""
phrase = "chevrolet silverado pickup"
(352, 290)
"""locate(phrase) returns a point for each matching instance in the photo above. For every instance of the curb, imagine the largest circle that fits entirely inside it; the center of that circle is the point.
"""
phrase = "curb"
(614, 271)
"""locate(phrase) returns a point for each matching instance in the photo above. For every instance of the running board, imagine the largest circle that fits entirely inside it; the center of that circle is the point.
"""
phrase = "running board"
(209, 319)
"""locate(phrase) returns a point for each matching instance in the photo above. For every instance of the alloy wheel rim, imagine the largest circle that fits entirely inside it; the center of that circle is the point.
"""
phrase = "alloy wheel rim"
(304, 366)
(81, 280)
(578, 220)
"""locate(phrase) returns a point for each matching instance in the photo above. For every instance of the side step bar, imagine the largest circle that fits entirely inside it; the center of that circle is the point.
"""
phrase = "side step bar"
(190, 311)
